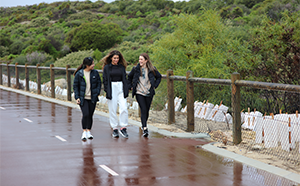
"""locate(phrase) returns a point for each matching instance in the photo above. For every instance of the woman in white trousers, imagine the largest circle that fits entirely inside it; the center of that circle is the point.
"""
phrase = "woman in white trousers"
(116, 88)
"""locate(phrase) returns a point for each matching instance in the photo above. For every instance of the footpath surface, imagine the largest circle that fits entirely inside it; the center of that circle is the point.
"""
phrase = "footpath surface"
(294, 177)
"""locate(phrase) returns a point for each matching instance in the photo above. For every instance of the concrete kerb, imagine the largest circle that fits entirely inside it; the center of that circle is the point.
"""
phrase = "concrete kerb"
(253, 163)
(130, 121)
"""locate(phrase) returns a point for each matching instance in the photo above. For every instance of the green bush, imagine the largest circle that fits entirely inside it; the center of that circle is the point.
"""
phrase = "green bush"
(4, 51)
(98, 55)
(39, 21)
(11, 56)
(94, 36)
(86, 15)
(16, 47)
(21, 60)
(35, 58)
(74, 59)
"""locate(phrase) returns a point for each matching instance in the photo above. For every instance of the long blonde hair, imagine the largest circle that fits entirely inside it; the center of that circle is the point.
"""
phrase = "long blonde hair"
(107, 59)
(148, 64)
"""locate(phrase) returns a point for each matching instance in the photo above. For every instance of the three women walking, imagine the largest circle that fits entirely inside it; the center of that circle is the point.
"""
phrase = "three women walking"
(143, 80)
(87, 86)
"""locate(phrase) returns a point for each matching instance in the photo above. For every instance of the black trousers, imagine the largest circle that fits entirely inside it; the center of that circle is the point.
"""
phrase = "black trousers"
(144, 103)
(87, 110)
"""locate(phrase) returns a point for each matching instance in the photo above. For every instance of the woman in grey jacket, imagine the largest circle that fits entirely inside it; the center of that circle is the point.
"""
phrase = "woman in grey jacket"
(143, 80)
(116, 88)
(87, 86)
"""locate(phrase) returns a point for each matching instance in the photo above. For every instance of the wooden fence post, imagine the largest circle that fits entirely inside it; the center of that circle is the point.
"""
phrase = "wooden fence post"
(8, 75)
(17, 76)
(190, 102)
(171, 108)
(26, 77)
(1, 74)
(38, 78)
(68, 74)
(236, 109)
(52, 81)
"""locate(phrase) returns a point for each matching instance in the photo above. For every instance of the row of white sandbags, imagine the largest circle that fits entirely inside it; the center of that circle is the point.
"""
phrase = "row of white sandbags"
(283, 128)
(204, 110)
(44, 88)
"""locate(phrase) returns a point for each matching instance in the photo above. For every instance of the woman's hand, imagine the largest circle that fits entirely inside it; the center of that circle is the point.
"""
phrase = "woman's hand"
(78, 101)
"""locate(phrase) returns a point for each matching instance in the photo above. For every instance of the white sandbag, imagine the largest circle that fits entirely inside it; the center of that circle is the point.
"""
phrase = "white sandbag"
(209, 108)
(283, 130)
(177, 104)
(134, 106)
(57, 90)
(220, 116)
(228, 118)
(259, 128)
(64, 92)
(184, 109)
(270, 132)
(250, 119)
(213, 112)
(198, 109)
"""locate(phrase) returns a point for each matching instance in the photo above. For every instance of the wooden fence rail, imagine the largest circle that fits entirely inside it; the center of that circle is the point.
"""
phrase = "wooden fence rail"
(234, 82)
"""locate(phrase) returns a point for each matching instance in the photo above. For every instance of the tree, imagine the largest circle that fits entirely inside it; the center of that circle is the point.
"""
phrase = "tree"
(208, 47)
(94, 36)
(203, 44)
(278, 47)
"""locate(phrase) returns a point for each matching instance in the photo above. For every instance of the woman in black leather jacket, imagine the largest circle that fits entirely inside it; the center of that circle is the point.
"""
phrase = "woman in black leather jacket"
(87, 86)
(143, 80)
(116, 88)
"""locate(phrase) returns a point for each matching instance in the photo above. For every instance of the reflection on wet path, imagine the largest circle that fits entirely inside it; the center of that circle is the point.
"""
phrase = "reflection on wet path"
(89, 175)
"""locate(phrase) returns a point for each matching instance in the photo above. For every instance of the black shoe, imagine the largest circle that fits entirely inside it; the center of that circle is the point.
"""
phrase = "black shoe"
(123, 132)
(145, 133)
(115, 133)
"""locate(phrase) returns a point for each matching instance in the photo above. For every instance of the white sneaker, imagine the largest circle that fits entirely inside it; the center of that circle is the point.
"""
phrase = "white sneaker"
(89, 135)
(83, 137)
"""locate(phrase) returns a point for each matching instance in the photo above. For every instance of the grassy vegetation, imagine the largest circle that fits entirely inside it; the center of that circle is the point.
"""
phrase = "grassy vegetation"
(257, 38)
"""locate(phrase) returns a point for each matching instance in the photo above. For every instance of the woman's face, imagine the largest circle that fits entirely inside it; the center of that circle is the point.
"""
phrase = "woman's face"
(142, 61)
(115, 60)
(91, 67)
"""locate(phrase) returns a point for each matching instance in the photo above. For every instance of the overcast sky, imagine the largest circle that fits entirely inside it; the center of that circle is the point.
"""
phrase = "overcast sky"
(11, 3)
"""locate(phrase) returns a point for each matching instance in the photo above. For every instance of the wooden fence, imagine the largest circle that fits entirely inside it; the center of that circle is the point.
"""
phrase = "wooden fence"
(235, 82)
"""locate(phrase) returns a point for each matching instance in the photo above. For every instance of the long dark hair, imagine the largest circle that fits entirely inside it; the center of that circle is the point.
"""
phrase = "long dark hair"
(148, 64)
(86, 62)
(107, 59)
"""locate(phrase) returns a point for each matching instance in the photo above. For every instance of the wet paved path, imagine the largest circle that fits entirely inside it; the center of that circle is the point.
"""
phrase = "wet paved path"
(41, 146)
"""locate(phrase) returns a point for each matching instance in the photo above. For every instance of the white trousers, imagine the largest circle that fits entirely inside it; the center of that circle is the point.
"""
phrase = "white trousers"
(117, 99)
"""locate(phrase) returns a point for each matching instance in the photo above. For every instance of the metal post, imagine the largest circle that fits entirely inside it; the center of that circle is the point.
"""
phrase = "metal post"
(190, 102)
(236, 108)
(68, 74)
(17, 76)
(26, 77)
(38, 78)
(52, 81)
(171, 108)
